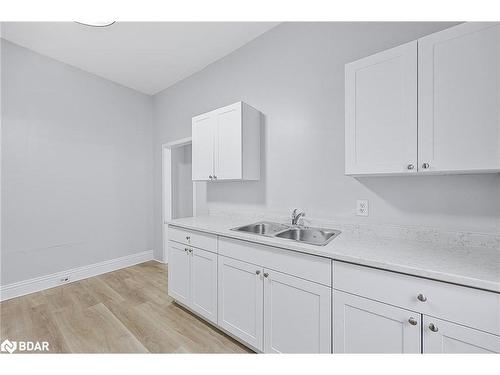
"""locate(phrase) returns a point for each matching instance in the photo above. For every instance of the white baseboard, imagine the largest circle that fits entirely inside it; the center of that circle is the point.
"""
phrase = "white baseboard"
(37, 284)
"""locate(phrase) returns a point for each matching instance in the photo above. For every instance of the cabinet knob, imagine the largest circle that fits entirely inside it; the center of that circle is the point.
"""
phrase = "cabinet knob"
(421, 297)
(425, 165)
(190, 250)
(433, 327)
(215, 177)
(188, 238)
(186, 249)
(257, 272)
(410, 166)
(266, 274)
(412, 321)
(210, 177)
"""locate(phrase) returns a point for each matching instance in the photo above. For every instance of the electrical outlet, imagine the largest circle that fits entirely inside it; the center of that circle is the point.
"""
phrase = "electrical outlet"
(65, 279)
(362, 207)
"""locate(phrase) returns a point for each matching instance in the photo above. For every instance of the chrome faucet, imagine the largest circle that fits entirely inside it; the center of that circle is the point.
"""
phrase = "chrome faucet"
(296, 216)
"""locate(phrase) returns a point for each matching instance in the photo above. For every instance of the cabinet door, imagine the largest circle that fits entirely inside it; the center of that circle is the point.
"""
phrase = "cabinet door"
(381, 112)
(178, 273)
(365, 326)
(297, 315)
(240, 300)
(228, 149)
(204, 284)
(203, 133)
(459, 99)
(445, 337)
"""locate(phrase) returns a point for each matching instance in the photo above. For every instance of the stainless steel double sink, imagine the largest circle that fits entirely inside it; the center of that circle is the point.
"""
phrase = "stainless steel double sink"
(309, 235)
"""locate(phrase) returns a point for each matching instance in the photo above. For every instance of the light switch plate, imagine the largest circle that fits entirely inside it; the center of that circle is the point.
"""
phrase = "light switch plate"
(362, 207)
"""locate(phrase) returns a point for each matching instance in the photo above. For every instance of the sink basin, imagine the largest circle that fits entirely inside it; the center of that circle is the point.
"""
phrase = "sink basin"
(264, 228)
(309, 235)
(313, 236)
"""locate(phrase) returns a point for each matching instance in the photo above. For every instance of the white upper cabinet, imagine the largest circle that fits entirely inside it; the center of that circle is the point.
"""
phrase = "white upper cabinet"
(203, 147)
(381, 112)
(226, 144)
(459, 99)
(456, 127)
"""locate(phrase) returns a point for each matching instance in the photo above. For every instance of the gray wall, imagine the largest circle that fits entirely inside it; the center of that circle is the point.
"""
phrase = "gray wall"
(294, 74)
(76, 167)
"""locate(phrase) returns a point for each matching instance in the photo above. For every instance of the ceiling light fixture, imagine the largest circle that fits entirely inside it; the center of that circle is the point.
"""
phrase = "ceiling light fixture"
(95, 23)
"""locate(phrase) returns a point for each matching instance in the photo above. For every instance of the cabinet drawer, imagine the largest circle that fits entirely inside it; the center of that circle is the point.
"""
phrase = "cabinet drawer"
(305, 266)
(468, 306)
(192, 238)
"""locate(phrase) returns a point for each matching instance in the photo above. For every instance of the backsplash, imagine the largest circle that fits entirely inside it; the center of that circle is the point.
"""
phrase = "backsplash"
(459, 239)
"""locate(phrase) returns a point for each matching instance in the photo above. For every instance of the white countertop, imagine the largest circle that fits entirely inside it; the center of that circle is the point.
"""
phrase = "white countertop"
(476, 267)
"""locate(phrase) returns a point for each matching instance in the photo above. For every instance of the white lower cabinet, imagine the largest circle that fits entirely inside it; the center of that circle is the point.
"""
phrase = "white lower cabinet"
(365, 326)
(203, 283)
(272, 311)
(192, 279)
(297, 315)
(272, 300)
(277, 301)
(378, 311)
(241, 300)
(440, 336)
(178, 272)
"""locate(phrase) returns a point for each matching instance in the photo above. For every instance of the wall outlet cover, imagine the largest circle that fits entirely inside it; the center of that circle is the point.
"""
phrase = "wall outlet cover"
(362, 207)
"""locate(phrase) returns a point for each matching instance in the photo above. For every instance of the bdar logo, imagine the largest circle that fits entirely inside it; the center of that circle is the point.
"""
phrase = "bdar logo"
(24, 346)
(8, 346)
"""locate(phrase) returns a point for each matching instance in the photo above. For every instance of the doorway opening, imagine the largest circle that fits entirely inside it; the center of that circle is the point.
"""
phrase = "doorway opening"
(181, 196)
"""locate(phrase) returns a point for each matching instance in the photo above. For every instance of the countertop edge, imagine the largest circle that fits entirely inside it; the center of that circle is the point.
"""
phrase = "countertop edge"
(393, 267)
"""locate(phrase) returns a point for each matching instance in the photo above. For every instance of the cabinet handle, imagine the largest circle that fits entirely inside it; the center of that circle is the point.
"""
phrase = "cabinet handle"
(425, 165)
(257, 272)
(266, 274)
(410, 166)
(433, 327)
(412, 321)
(421, 297)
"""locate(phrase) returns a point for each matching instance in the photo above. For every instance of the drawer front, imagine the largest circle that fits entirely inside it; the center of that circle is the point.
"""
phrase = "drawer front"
(468, 306)
(305, 266)
(200, 240)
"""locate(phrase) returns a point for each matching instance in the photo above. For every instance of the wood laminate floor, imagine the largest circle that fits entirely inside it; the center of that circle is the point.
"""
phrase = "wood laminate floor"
(125, 311)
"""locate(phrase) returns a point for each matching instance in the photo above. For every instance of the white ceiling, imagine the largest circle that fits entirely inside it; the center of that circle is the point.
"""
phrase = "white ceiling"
(145, 56)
